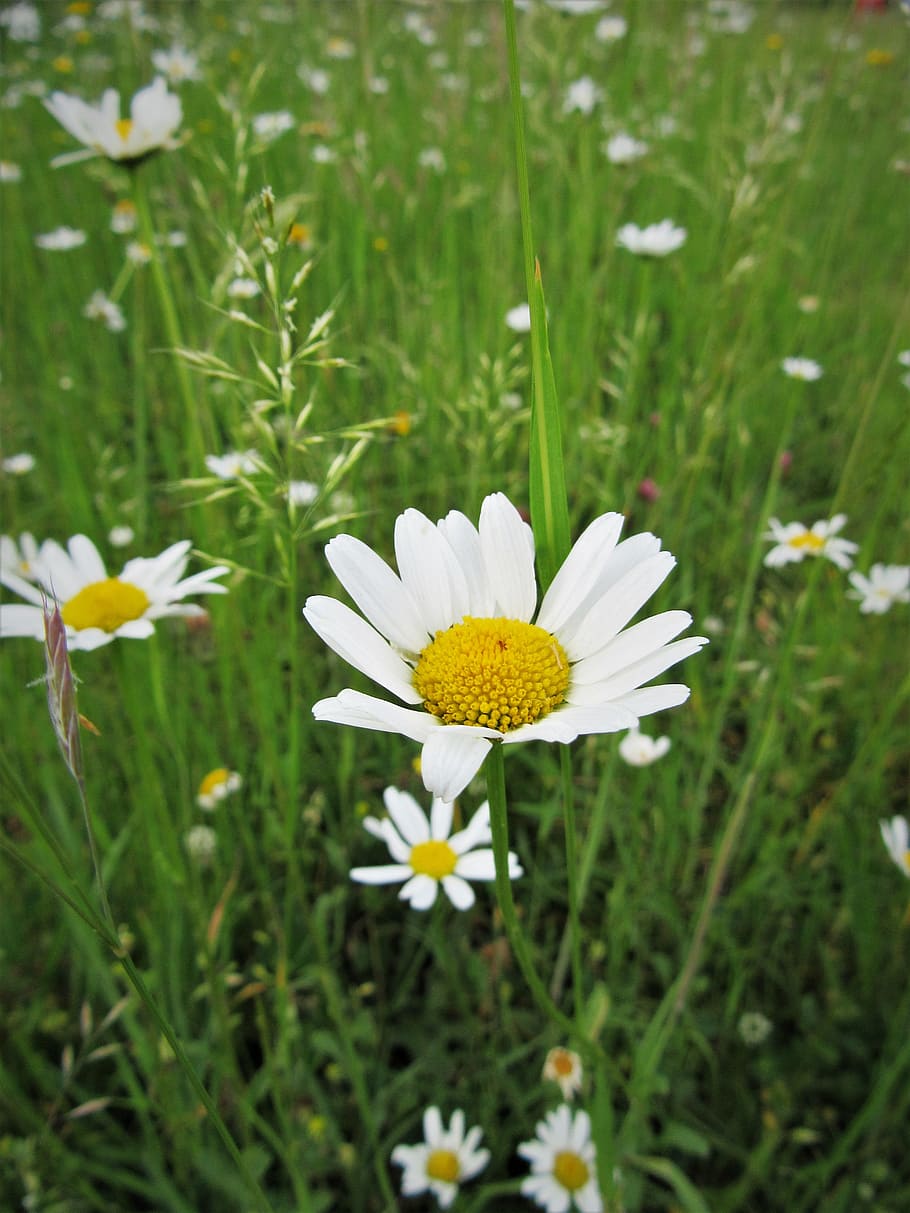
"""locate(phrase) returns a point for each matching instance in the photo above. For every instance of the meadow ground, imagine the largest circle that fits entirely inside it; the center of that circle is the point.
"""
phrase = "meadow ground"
(305, 327)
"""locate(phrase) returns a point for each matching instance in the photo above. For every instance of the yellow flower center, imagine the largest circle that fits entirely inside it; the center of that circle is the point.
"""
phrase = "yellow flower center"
(124, 126)
(501, 673)
(443, 1164)
(570, 1170)
(105, 604)
(809, 541)
(213, 780)
(562, 1063)
(434, 858)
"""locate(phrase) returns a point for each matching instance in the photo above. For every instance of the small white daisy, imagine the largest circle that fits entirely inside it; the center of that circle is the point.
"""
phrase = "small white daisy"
(121, 536)
(624, 149)
(445, 1159)
(217, 785)
(452, 637)
(640, 750)
(10, 172)
(802, 368)
(656, 240)
(611, 29)
(896, 837)
(61, 239)
(99, 307)
(18, 465)
(563, 1067)
(233, 464)
(178, 64)
(563, 1163)
(270, 126)
(124, 218)
(885, 585)
(96, 608)
(794, 542)
(302, 492)
(581, 96)
(243, 288)
(155, 115)
(518, 319)
(427, 856)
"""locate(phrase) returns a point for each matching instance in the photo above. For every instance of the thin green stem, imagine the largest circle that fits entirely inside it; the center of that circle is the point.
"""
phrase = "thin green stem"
(568, 809)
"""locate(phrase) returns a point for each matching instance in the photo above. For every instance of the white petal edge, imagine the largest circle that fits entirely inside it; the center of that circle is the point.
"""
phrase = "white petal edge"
(360, 645)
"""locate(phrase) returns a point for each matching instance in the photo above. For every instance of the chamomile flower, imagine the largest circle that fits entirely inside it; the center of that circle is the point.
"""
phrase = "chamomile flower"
(445, 1159)
(793, 542)
(802, 368)
(61, 239)
(581, 96)
(99, 307)
(426, 854)
(458, 637)
(155, 115)
(640, 750)
(217, 785)
(896, 837)
(233, 464)
(178, 64)
(518, 318)
(611, 29)
(563, 1067)
(10, 172)
(656, 240)
(885, 585)
(18, 465)
(623, 149)
(563, 1163)
(96, 608)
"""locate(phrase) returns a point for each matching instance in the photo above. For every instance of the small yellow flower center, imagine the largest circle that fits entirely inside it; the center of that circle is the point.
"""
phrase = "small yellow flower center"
(124, 126)
(570, 1170)
(434, 858)
(808, 541)
(105, 604)
(562, 1063)
(213, 780)
(443, 1164)
(501, 673)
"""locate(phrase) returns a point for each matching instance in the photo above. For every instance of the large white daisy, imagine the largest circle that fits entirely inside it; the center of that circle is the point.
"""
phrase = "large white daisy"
(458, 636)
(155, 115)
(96, 608)
(563, 1163)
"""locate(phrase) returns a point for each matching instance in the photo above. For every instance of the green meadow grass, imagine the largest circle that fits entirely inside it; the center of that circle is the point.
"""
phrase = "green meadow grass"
(323, 1016)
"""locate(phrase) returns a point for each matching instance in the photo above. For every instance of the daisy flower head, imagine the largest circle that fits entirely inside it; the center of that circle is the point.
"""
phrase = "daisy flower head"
(518, 318)
(656, 240)
(640, 750)
(178, 64)
(458, 636)
(896, 837)
(427, 855)
(217, 785)
(445, 1159)
(563, 1163)
(794, 542)
(233, 464)
(802, 368)
(885, 585)
(623, 148)
(99, 307)
(96, 608)
(563, 1067)
(19, 464)
(61, 239)
(155, 115)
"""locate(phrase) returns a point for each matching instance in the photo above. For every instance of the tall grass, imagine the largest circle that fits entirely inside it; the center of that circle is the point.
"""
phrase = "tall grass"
(746, 866)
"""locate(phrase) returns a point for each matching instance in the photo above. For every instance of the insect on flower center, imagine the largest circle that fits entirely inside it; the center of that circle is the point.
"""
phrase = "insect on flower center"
(500, 673)
(123, 127)
(570, 1170)
(443, 1164)
(434, 858)
(106, 605)
(808, 542)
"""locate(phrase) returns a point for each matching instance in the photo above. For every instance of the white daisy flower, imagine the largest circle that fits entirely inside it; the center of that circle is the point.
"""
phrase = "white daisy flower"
(121, 536)
(18, 465)
(445, 1158)
(99, 307)
(178, 64)
(793, 542)
(802, 368)
(233, 464)
(10, 172)
(201, 843)
(123, 217)
(243, 288)
(640, 750)
(563, 1163)
(302, 492)
(22, 22)
(518, 319)
(623, 148)
(611, 29)
(217, 785)
(896, 837)
(581, 95)
(656, 240)
(61, 239)
(96, 608)
(563, 1067)
(155, 115)
(20, 559)
(885, 585)
(458, 636)
(425, 854)
(903, 358)
(270, 126)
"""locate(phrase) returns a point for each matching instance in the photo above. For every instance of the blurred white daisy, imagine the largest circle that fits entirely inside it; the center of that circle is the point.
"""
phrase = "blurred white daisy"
(794, 542)
(121, 536)
(802, 368)
(904, 358)
(155, 115)
(433, 158)
(426, 854)
(581, 96)
(896, 837)
(270, 126)
(201, 843)
(138, 252)
(22, 22)
(445, 1159)
(611, 29)
(99, 307)
(20, 559)
(178, 64)
(18, 465)
(656, 240)
(640, 750)
(233, 464)
(61, 239)
(316, 79)
(123, 217)
(216, 786)
(96, 608)
(754, 1028)
(243, 288)
(302, 492)
(624, 149)
(458, 636)
(577, 8)
(563, 1163)
(563, 1067)
(518, 319)
(10, 172)
(885, 585)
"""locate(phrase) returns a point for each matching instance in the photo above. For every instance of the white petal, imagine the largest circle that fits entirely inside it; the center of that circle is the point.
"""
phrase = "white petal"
(430, 570)
(647, 700)
(407, 815)
(58, 572)
(367, 712)
(23, 588)
(420, 891)
(361, 646)
(588, 1198)
(440, 818)
(630, 645)
(475, 832)
(613, 610)
(388, 873)
(459, 892)
(570, 722)
(433, 1131)
(384, 829)
(507, 543)
(16, 619)
(136, 629)
(87, 639)
(637, 674)
(378, 592)
(478, 865)
(451, 758)
(462, 537)
(577, 577)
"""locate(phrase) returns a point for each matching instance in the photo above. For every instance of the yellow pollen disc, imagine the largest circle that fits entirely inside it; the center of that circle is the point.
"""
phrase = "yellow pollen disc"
(213, 780)
(433, 858)
(501, 673)
(562, 1063)
(808, 541)
(105, 604)
(443, 1164)
(570, 1170)
(124, 126)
